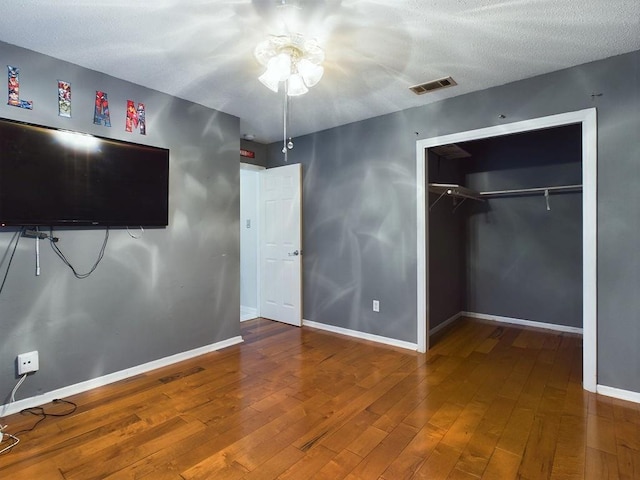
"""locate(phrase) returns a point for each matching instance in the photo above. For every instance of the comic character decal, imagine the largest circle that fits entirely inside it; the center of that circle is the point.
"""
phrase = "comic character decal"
(64, 99)
(141, 119)
(101, 112)
(135, 117)
(13, 82)
(132, 117)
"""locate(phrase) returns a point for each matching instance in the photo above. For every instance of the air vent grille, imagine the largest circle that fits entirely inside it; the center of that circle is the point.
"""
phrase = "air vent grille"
(432, 86)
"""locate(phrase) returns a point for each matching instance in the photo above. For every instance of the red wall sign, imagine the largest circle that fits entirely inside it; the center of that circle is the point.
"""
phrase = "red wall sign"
(247, 153)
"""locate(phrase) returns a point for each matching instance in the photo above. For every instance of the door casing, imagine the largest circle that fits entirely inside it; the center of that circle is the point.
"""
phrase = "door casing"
(588, 119)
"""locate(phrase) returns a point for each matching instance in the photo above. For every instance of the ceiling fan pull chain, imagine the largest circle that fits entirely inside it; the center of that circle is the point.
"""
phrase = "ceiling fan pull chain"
(285, 113)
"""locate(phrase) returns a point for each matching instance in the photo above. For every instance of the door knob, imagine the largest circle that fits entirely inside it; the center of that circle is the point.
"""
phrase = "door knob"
(294, 254)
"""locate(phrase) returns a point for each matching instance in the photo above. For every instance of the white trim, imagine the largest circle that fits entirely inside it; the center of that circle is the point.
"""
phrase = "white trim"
(423, 246)
(590, 250)
(63, 392)
(259, 242)
(248, 313)
(446, 323)
(257, 169)
(618, 393)
(522, 322)
(361, 335)
(588, 119)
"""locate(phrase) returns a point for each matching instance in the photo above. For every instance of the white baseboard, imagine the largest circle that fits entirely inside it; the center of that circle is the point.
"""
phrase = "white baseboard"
(525, 323)
(446, 323)
(247, 313)
(63, 392)
(361, 335)
(627, 395)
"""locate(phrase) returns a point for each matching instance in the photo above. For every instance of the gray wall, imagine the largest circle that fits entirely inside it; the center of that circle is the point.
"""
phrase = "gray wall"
(173, 290)
(358, 226)
(360, 214)
(523, 260)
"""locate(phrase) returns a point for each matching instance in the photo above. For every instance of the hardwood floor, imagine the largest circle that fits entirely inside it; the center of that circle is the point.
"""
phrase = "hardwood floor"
(488, 402)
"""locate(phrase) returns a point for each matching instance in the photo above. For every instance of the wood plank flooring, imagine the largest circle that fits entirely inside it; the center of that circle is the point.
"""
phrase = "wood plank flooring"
(488, 402)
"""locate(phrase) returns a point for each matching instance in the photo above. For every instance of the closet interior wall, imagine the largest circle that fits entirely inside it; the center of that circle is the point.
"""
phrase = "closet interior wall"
(446, 244)
(515, 258)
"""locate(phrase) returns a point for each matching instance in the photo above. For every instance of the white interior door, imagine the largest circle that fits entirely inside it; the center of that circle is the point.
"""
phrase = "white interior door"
(281, 244)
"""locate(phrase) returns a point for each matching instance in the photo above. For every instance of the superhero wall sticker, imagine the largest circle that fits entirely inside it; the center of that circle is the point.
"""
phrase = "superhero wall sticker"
(64, 99)
(13, 74)
(101, 110)
(135, 116)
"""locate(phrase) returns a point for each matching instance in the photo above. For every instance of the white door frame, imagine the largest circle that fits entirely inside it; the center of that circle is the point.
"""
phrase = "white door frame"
(588, 119)
(255, 168)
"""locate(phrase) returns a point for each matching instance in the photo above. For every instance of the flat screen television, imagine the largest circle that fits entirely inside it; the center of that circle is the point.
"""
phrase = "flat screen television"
(53, 177)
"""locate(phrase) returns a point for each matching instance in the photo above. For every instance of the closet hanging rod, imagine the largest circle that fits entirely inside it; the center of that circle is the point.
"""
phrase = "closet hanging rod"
(559, 188)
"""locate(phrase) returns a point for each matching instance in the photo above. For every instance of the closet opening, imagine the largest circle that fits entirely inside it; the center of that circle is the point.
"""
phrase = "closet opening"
(507, 228)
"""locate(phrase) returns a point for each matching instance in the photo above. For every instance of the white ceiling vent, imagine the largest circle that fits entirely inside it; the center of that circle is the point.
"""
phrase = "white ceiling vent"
(432, 86)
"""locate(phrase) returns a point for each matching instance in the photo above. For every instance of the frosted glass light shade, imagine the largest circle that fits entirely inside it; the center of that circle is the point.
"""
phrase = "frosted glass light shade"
(311, 73)
(281, 66)
(296, 86)
(270, 79)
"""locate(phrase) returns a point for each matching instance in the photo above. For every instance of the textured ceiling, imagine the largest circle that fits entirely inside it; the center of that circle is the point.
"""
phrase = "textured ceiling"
(202, 50)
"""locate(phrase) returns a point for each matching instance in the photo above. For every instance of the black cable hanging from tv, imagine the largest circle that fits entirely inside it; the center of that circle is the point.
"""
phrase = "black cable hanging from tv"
(54, 246)
(16, 237)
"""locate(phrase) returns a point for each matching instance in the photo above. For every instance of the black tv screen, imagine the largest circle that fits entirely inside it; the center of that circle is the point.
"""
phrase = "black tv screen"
(53, 177)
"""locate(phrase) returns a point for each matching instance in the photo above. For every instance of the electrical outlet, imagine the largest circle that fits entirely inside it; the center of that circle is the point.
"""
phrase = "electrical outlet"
(376, 305)
(28, 362)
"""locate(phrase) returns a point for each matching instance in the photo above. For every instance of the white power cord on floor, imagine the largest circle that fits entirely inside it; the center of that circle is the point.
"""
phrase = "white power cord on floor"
(4, 435)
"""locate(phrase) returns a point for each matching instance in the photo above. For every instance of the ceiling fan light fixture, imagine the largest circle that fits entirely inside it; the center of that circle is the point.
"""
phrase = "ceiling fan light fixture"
(286, 56)
(294, 61)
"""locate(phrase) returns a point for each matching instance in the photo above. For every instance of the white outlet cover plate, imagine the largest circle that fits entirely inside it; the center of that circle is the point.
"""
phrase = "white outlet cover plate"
(28, 362)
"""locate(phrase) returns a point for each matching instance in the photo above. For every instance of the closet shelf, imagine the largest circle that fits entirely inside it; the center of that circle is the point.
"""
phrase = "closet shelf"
(454, 190)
